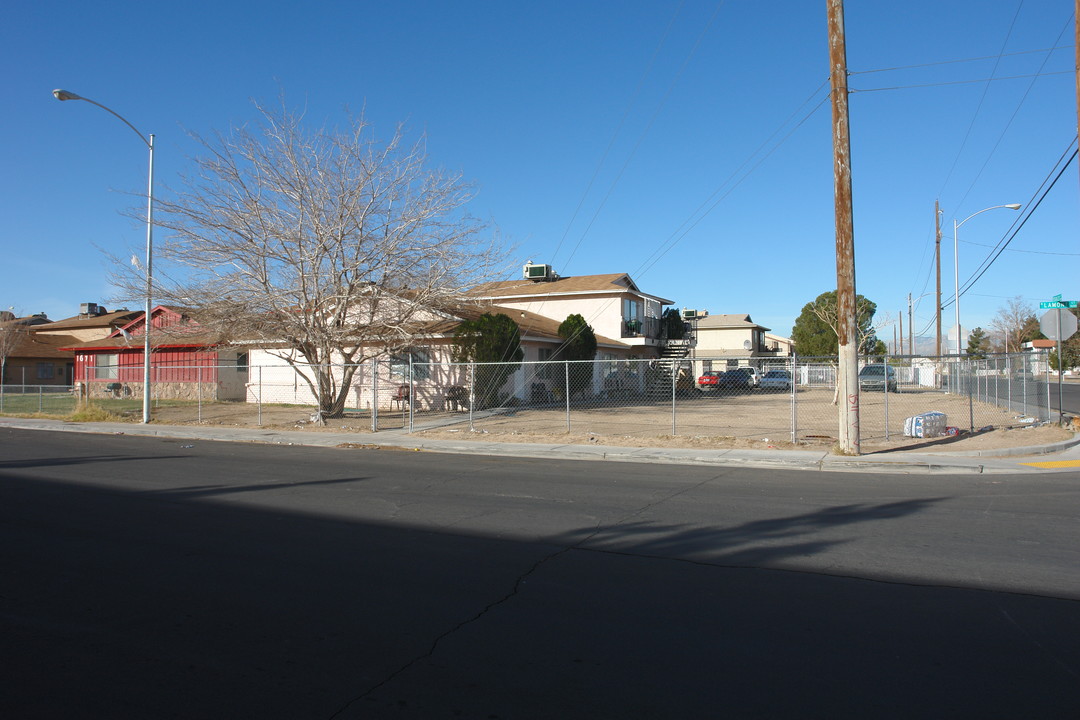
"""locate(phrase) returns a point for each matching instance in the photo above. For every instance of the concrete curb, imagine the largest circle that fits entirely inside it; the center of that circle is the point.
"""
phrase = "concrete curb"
(1020, 451)
(957, 462)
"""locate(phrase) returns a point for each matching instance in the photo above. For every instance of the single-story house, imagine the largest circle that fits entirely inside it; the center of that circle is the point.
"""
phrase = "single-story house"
(186, 361)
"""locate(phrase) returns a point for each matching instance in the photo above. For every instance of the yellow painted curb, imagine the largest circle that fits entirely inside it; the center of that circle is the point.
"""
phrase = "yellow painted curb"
(1055, 464)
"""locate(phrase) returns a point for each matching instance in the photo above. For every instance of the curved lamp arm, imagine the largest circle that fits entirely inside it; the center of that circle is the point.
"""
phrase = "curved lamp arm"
(66, 95)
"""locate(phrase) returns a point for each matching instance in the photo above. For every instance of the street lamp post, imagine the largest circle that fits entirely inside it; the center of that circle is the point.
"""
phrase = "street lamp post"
(149, 142)
(956, 263)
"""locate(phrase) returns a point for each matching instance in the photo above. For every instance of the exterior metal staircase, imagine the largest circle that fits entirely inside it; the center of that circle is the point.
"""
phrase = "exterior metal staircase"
(672, 360)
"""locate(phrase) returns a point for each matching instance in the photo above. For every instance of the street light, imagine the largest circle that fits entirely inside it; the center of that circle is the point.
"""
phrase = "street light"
(956, 262)
(149, 141)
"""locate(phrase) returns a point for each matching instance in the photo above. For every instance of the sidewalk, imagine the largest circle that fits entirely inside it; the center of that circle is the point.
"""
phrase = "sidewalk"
(1059, 457)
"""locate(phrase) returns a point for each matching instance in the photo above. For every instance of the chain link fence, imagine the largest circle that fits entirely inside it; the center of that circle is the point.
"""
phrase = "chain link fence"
(785, 399)
(42, 399)
(777, 399)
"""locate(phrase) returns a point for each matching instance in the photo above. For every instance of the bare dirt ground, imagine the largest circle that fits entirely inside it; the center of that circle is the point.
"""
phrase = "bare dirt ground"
(749, 421)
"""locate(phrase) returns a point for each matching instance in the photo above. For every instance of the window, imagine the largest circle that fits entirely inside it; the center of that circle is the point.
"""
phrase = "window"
(631, 309)
(45, 371)
(421, 364)
(105, 366)
(241, 362)
(545, 371)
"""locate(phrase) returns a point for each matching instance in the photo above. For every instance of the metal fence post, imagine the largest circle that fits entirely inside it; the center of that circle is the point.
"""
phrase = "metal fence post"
(1049, 414)
(40, 397)
(971, 408)
(794, 400)
(260, 394)
(566, 379)
(412, 392)
(886, 369)
(374, 395)
(472, 393)
(673, 376)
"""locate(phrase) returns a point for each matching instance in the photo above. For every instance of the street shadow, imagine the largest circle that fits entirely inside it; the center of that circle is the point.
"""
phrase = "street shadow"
(754, 542)
(80, 460)
(303, 604)
(197, 491)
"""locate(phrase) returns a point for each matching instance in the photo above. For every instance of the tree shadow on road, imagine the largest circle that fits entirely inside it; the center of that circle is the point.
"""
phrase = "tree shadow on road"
(752, 543)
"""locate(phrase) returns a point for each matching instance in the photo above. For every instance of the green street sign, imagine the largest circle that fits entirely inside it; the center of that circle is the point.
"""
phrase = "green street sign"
(1053, 304)
(1056, 298)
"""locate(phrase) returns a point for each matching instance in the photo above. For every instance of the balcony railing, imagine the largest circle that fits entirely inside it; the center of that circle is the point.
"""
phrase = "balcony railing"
(643, 327)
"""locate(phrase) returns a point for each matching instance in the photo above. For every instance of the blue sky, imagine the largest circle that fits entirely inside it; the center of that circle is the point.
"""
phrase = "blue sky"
(687, 144)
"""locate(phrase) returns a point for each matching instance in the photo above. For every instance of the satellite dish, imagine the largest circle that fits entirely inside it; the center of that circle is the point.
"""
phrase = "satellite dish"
(746, 345)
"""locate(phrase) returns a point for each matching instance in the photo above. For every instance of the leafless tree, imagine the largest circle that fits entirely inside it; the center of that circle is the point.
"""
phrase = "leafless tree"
(824, 309)
(12, 334)
(327, 245)
(1014, 325)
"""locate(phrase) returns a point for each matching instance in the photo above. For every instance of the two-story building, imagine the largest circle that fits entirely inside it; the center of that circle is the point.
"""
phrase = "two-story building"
(625, 320)
(730, 340)
(612, 304)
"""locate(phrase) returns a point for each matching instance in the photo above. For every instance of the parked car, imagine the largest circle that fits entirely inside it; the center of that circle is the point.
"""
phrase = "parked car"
(737, 379)
(775, 381)
(710, 381)
(878, 377)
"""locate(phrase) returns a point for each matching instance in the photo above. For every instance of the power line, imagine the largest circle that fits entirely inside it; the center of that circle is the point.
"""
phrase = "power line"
(718, 195)
(964, 82)
(648, 127)
(985, 265)
(1033, 252)
(618, 128)
(963, 60)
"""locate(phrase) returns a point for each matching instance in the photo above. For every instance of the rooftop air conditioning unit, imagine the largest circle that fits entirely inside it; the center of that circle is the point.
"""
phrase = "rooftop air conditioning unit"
(690, 314)
(537, 272)
(90, 309)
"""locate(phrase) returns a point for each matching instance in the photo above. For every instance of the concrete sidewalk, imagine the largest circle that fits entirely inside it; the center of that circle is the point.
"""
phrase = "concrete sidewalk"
(1058, 457)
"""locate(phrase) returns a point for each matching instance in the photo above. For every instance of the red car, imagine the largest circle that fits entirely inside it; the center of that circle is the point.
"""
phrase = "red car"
(710, 381)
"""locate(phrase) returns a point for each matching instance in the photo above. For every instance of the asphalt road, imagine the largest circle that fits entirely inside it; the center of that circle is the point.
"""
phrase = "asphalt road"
(1029, 396)
(159, 578)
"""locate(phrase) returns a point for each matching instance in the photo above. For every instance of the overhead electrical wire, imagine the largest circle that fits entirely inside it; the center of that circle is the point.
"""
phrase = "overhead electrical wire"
(963, 60)
(648, 127)
(994, 255)
(1060, 166)
(963, 82)
(618, 127)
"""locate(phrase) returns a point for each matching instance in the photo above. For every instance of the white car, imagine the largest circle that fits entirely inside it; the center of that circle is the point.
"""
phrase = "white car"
(775, 380)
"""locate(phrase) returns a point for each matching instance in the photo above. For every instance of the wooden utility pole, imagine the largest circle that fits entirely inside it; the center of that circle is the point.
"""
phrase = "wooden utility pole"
(937, 261)
(847, 330)
(1076, 28)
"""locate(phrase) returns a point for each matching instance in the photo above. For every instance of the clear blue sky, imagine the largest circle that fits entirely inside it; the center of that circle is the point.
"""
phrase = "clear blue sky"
(687, 144)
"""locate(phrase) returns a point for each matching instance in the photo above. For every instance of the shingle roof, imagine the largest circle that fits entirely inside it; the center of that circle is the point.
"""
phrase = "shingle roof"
(33, 345)
(733, 320)
(118, 317)
(613, 282)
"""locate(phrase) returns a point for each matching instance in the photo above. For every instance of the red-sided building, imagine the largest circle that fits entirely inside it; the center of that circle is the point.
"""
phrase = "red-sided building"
(186, 361)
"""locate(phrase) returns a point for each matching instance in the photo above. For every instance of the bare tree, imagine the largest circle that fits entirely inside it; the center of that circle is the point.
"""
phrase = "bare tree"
(1014, 324)
(326, 244)
(12, 334)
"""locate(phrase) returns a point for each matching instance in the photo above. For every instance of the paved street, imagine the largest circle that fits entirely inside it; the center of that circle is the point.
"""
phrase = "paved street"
(158, 577)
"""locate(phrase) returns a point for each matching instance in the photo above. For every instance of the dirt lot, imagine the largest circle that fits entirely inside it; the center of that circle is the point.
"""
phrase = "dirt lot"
(753, 420)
